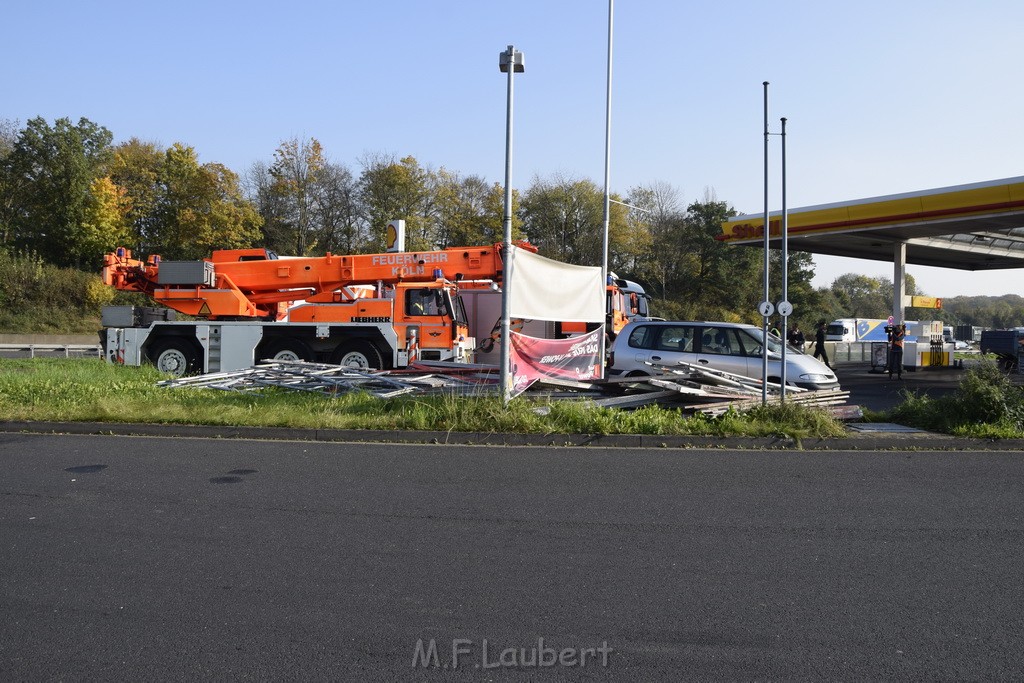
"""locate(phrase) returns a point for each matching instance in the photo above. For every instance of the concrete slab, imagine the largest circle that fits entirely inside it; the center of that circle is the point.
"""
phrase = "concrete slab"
(884, 428)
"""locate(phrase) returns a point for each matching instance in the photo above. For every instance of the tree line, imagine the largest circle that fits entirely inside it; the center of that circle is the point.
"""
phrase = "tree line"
(68, 194)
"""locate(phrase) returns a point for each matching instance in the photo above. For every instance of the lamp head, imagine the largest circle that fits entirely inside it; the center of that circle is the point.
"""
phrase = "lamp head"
(511, 56)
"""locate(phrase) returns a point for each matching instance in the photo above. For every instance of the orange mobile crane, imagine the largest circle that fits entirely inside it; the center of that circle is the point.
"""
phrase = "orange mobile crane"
(365, 311)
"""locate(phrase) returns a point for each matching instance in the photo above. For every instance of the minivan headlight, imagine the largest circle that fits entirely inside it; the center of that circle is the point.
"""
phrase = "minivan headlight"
(814, 377)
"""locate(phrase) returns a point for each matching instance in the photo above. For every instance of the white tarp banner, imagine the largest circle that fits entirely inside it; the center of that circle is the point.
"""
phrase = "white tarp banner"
(542, 289)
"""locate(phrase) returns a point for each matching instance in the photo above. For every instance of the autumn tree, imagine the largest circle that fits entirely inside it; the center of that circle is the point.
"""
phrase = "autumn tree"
(8, 136)
(460, 211)
(722, 283)
(105, 222)
(307, 203)
(658, 210)
(335, 209)
(993, 312)
(295, 172)
(825, 305)
(270, 205)
(136, 169)
(628, 238)
(392, 189)
(200, 208)
(494, 215)
(807, 301)
(46, 179)
(563, 216)
(8, 182)
(863, 296)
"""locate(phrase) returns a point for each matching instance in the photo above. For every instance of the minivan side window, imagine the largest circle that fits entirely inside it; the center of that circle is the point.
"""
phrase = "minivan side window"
(642, 337)
(721, 340)
(679, 339)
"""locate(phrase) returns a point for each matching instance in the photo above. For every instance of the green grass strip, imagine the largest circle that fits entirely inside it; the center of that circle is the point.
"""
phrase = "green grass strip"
(91, 390)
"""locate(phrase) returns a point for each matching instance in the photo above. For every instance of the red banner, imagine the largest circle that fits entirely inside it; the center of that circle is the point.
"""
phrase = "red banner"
(577, 358)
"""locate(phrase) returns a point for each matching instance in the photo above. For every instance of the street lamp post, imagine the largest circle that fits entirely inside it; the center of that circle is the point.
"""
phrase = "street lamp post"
(511, 62)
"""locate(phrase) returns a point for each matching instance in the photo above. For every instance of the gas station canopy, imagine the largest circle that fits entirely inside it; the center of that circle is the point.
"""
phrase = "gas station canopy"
(972, 227)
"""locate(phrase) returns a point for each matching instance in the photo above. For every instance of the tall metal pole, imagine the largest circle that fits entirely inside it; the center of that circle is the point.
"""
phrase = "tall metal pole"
(607, 150)
(899, 280)
(784, 307)
(766, 300)
(606, 223)
(509, 61)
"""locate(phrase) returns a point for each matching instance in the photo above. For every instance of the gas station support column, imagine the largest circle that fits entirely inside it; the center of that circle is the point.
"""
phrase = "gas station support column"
(899, 279)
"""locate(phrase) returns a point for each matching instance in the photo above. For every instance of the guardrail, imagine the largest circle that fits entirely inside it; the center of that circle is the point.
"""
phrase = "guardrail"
(851, 352)
(68, 350)
(844, 352)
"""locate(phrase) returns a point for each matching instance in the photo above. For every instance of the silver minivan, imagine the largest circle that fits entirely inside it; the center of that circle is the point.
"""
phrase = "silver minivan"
(732, 347)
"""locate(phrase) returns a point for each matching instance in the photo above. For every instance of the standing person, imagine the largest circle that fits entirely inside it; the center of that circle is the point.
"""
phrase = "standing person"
(896, 338)
(796, 337)
(819, 344)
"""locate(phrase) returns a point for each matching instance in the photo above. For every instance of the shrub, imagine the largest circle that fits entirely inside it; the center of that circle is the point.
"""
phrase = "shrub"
(21, 276)
(39, 298)
(987, 396)
(986, 400)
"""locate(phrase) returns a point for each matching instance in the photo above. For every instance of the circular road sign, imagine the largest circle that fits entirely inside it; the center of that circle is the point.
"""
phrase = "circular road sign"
(765, 308)
(785, 308)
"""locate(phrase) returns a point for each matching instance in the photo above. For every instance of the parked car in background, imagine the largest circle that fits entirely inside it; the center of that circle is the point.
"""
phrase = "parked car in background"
(731, 347)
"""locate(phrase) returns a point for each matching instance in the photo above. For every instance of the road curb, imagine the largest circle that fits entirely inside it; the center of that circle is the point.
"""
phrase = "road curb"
(874, 442)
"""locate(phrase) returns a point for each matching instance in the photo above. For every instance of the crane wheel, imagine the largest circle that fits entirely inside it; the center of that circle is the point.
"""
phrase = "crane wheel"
(175, 356)
(285, 350)
(358, 355)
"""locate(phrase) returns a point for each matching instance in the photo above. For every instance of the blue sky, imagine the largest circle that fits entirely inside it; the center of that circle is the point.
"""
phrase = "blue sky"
(880, 97)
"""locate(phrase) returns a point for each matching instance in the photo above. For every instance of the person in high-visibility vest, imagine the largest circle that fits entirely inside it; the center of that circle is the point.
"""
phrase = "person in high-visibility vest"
(899, 332)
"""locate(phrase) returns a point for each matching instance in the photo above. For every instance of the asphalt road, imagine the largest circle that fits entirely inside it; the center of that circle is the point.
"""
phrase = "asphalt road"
(172, 559)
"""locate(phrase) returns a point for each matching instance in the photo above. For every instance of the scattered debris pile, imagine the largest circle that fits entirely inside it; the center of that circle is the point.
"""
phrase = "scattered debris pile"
(331, 380)
(690, 388)
(713, 392)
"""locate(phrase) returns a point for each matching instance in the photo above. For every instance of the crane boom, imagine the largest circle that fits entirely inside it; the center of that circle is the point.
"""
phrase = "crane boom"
(255, 283)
